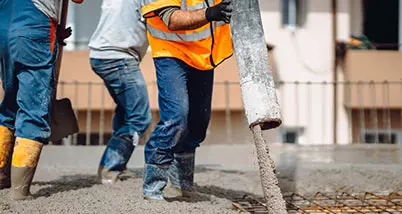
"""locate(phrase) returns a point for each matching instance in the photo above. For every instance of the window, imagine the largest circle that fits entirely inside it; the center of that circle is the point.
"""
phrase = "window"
(381, 23)
(293, 13)
(381, 136)
(290, 135)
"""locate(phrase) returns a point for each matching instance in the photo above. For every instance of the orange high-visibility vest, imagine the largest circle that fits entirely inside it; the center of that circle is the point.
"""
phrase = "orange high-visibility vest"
(203, 48)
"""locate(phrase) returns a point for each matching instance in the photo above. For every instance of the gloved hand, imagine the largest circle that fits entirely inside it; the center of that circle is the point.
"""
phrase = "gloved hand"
(63, 34)
(220, 12)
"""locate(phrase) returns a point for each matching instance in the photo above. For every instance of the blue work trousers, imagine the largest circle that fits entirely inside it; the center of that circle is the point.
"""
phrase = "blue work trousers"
(185, 95)
(28, 52)
(132, 117)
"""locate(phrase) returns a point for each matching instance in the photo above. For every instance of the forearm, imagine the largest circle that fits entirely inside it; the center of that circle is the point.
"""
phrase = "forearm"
(187, 20)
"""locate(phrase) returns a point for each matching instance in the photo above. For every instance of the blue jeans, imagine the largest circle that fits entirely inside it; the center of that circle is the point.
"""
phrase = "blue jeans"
(185, 95)
(126, 85)
(28, 53)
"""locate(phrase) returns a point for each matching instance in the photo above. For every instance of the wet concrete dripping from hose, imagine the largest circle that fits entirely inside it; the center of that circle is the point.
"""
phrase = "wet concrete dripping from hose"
(269, 181)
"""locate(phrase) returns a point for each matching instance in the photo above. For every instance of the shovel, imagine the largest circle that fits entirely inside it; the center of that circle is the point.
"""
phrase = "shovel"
(63, 123)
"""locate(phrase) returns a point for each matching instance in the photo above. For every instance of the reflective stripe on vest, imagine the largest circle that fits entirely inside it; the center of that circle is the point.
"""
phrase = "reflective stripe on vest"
(184, 6)
(195, 36)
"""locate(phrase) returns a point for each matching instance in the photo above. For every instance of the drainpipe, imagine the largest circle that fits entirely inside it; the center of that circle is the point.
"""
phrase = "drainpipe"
(335, 70)
(400, 26)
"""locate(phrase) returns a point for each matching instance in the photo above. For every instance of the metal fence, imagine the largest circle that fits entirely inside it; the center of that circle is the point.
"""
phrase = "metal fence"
(368, 112)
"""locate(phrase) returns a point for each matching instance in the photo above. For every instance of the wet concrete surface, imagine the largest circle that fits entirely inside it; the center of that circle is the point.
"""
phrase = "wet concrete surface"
(66, 178)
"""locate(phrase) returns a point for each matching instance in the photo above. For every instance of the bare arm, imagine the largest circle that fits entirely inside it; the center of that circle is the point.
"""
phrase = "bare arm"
(176, 19)
(187, 20)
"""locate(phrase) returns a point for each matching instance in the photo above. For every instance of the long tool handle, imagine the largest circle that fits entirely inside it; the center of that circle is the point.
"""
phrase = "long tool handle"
(62, 26)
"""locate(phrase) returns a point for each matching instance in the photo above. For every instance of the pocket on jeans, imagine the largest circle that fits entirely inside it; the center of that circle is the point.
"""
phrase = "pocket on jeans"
(108, 70)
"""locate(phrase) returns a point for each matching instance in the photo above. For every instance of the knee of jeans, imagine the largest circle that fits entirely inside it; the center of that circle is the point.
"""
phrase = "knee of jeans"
(176, 129)
(181, 120)
(175, 123)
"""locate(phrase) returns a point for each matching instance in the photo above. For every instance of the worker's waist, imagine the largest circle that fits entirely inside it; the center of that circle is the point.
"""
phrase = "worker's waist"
(199, 62)
(199, 55)
(112, 54)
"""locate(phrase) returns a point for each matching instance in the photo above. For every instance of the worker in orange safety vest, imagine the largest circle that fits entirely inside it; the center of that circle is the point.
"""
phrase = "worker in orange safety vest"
(188, 40)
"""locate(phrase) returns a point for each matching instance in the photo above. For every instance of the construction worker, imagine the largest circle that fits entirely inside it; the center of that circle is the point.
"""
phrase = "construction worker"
(188, 40)
(116, 49)
(28, 51)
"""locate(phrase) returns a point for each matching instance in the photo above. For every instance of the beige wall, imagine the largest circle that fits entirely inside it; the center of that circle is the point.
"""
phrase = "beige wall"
(306, 55)
(378, 66)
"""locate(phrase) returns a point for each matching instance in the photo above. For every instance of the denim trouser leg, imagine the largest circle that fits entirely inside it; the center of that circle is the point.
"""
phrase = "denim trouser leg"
(8, 106)
(181, 170)
(33, 50)
(185, 106)
(126, 85)
(200, 86)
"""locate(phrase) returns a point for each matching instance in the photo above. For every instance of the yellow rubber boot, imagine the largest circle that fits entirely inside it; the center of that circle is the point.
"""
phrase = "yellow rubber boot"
(25, 159)
(6, 151)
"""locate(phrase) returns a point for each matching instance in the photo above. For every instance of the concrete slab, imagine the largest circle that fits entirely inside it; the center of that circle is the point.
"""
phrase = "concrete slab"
(65, 180)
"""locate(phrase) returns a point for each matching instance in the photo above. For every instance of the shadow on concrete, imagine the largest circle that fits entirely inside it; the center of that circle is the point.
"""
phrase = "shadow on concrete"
(202, 193)
(64, 184)
(213, 193)
(131, 174)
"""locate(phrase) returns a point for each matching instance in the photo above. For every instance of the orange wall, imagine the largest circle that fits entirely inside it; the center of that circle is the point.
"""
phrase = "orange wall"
(368, 65)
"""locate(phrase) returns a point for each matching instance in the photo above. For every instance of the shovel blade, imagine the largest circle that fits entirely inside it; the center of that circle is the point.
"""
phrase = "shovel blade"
(64, 122)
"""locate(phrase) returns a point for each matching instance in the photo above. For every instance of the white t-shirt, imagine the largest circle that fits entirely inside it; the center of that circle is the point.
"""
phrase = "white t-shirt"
(121, 31)
(49, 7)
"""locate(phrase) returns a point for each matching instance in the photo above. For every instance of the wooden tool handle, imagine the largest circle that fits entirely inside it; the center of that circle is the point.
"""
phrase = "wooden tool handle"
(62, 26)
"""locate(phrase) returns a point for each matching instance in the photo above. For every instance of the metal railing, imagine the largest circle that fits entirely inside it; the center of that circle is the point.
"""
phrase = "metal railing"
(369, 112)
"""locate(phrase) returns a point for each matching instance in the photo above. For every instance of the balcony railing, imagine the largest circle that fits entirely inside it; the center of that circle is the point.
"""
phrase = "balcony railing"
(369, 112)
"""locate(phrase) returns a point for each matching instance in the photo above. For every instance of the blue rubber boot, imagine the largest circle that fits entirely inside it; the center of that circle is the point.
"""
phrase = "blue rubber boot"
(181, 173)
(154, 181)
(115, 158)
